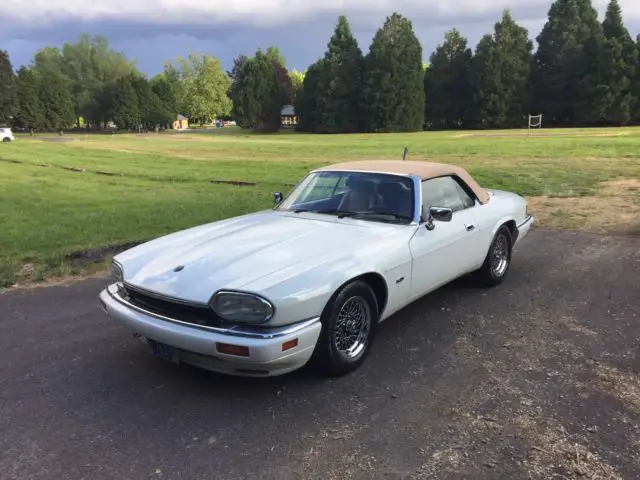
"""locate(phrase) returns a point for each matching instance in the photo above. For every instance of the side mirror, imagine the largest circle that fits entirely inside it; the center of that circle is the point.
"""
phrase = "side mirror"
(277, 198)
(441, 214)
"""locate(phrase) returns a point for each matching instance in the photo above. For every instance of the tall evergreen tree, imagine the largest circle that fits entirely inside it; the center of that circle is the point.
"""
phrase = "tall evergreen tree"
(393, 76)
(306, 102)
(122, 106)
(259, 93)
(284, 81)
(619, 61)
(166, 95)
(501, 71)
(235, 93)
(274, 54)
(566, 71)
(29, 114)
(339, 106)
(8, 91)
(448, 84)
(57, 106)
(152, 113)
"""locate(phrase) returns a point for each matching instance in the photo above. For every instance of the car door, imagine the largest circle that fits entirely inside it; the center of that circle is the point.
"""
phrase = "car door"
(451, 249)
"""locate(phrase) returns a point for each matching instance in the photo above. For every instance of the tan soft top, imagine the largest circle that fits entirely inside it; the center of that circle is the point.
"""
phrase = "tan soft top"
(424, 170)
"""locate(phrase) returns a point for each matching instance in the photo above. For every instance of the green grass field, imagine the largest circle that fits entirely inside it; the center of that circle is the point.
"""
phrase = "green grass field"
(583, 179)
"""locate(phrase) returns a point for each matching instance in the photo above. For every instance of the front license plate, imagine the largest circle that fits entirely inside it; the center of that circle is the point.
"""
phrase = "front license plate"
(166, 352)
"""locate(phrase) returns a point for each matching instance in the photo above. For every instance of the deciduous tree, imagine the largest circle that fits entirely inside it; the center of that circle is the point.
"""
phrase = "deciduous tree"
(86, 65)
(205, 87)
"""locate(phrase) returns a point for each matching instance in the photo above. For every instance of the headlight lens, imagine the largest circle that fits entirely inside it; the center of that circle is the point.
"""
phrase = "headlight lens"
(241, 307)
(116, 271)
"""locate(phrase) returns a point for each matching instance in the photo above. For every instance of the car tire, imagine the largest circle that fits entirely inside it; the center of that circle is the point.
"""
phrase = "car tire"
(498, 259)
(333, 354)
(6, 139)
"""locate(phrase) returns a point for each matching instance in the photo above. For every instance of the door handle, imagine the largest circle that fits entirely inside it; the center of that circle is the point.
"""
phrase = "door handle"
(469, 227)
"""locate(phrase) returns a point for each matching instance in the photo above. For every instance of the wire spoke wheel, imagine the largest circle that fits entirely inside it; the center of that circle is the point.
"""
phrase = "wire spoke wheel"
(500, 256)
(352, 328)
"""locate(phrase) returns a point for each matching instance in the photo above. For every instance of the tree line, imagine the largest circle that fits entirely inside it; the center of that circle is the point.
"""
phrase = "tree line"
(583, 73)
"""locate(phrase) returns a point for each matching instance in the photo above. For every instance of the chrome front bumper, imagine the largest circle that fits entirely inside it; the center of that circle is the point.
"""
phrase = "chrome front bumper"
(268, 351)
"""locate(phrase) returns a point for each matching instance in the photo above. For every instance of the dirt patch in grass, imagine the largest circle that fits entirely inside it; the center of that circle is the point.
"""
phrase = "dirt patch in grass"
(77, 274)
(620, 187)
(548, 134)
(615, 209)
(57, 139)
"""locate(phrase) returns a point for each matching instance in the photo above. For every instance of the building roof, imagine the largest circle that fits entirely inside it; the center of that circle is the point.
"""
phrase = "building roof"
(288, 110)
(424, 170)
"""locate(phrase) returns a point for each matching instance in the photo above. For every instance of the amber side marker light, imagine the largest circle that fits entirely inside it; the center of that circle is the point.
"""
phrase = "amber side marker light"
(289, 344)
(236, 350)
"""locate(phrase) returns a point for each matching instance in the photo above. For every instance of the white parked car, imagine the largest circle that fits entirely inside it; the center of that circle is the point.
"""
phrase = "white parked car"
(309, 281)
(6, 135)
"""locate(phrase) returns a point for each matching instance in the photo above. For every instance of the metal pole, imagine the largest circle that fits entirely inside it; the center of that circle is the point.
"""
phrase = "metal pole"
(405, 153)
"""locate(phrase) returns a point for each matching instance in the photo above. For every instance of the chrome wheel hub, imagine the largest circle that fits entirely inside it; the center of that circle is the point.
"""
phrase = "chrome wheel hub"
(352, 327)
(500, 256)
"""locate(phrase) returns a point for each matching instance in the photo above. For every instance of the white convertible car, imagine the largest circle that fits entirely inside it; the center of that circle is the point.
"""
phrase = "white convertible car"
(309, 280)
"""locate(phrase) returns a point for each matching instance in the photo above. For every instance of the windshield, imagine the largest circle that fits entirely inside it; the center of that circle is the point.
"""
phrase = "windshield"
(362, 195)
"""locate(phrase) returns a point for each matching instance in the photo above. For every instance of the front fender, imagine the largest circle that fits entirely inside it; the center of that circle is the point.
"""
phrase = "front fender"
(301, 292)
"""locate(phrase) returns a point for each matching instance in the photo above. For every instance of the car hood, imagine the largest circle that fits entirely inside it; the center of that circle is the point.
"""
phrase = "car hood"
(234, 252)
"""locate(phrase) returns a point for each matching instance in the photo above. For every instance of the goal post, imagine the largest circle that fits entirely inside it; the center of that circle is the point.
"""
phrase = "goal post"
(535, 121)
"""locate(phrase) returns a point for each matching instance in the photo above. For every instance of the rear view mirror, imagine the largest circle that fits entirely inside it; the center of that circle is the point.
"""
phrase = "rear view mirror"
(277, 198)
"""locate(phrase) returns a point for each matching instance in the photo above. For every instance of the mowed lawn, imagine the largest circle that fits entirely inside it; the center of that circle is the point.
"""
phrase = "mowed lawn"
(158, 183)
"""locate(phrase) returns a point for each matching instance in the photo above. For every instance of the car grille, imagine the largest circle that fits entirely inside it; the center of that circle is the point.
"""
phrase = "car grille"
(198, 315)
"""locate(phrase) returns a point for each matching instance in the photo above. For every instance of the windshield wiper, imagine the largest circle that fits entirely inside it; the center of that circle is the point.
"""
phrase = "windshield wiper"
(340, 213)
(397, 216)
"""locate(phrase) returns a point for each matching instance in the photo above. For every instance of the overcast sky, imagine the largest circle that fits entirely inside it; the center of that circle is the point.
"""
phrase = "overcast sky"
(152, 31)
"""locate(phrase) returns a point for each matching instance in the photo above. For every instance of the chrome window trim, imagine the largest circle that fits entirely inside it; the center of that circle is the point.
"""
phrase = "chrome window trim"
(235, 331)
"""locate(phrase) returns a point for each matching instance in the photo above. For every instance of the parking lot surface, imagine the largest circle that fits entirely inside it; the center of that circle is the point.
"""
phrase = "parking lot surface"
(536, 377)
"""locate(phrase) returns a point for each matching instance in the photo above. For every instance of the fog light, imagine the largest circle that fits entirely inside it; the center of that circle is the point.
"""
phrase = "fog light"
(289, 344)
(237, 350)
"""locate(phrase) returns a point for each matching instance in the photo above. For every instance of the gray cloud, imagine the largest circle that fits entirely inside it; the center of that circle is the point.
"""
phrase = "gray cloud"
(301, 33)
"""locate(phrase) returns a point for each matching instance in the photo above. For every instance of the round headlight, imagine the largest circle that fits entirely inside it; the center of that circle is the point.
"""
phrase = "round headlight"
(241, 307)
